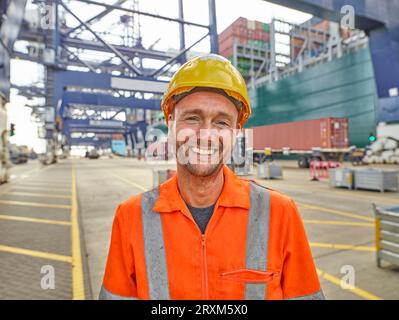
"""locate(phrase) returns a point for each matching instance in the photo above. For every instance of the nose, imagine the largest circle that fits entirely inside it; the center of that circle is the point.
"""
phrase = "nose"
(208, 137)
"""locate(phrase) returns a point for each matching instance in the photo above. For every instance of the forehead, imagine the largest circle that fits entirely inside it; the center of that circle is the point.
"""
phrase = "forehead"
(209, 103)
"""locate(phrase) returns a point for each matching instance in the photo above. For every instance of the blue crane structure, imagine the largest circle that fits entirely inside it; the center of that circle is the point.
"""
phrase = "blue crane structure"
(84, 98)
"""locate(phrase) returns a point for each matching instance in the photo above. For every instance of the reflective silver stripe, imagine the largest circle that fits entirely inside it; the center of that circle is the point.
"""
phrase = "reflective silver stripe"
(106, 295)
(257, 239)
(154, 248)
(319, 295)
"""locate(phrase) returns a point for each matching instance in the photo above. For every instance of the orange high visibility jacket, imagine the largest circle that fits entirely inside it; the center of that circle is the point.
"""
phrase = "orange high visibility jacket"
(254, 247)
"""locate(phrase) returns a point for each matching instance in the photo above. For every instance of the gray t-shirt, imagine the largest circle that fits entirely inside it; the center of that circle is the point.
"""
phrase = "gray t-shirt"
(201, 216)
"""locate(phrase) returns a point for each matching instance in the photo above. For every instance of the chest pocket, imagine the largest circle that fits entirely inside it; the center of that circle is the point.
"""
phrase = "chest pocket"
(251, 276)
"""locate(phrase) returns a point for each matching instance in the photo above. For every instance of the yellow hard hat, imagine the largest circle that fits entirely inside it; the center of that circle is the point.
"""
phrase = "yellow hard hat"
(212, 71)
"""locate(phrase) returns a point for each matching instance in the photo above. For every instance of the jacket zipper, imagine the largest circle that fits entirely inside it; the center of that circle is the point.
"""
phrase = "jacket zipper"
(204, 269)
(205, 287)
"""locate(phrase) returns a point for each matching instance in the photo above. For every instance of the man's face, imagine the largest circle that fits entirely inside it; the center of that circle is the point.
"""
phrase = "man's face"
(202, 127)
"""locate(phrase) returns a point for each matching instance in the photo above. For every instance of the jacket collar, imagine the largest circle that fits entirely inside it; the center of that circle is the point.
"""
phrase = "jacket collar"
(235, 193)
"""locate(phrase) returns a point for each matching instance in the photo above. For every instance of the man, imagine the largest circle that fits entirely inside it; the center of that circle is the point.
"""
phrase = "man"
(205, 233)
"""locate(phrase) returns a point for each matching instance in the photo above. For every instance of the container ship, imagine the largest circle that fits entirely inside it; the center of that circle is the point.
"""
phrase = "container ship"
(321, 71)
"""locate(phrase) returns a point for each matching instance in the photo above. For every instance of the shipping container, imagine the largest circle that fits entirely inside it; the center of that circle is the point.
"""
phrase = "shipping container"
(257, 35)
(259, 25)
(244, 30)
(322, 25)
(229, 42)
(119, 147)
(251, 25)
(117, 136)
(266, 27)
(227, 53)
(323, 133)
(240, 22)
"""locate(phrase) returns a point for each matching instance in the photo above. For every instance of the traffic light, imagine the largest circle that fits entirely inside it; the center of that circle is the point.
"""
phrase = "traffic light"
(12, 130)
(372, 137)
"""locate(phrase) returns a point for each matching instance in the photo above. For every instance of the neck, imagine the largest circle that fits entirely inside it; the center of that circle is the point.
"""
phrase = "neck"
(199, 192)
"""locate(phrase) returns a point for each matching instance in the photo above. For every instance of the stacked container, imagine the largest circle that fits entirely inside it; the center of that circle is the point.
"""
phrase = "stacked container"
(254, 34)
(246, 32)
(323, 27)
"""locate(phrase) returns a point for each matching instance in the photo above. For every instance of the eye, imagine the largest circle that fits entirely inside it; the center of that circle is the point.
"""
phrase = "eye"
(222, 123)
(192, 118)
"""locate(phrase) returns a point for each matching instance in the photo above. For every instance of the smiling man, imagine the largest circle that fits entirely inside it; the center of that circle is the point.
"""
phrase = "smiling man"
(205, 233)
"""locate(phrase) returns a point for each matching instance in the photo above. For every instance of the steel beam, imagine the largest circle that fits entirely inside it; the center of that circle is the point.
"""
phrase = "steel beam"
(168, 62)
(365, 19)
(100, 143)
(90, 67)
(183, 58)
(86, 126)
(110, 6)
(9, 30)
(36, 35)
(131, 66)
(96, 17)
(64, 79)
(12, 23)
(213, 27)
(101, 101)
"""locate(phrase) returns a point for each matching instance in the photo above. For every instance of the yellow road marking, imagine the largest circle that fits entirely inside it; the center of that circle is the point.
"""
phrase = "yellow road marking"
(51, 182)
(347, 194)
(344, 223)
(368, 197)
(128, 181)
(49, 189)
(334, 211)
(28, 219)
(28, 173)
(35, 204)
(341, 246)
(44, 195)
(313, 207)
(359, 292)
(37, 254)
(42, 187)
(78, 288)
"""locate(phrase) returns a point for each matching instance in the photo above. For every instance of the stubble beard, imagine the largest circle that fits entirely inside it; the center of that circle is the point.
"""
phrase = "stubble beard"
(201, 169)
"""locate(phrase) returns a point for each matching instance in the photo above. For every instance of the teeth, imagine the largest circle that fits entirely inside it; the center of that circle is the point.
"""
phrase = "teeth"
(203, 151)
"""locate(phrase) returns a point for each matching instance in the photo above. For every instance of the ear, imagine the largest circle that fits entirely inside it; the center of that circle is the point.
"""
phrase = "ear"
(171, 122)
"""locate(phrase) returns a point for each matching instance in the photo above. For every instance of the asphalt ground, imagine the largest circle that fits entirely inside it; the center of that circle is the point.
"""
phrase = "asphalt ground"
(42, 253)
(61, 215)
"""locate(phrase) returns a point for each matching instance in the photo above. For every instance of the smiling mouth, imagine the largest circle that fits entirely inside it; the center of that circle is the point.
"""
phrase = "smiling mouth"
(204, 152)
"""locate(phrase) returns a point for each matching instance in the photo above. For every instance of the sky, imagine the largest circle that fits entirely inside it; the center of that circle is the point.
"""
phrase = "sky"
(163, 34)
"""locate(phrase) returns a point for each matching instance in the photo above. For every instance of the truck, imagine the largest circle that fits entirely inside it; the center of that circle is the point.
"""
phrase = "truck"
(18, 154)
(324, 139)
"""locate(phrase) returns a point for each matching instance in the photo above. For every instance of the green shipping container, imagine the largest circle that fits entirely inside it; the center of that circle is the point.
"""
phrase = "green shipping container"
(266, 27)
(343, 87)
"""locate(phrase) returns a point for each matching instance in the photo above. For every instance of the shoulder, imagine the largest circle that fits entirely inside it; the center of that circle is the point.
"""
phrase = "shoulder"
(281, 200)
(133, 204)
(276, 197)
(129, 209)
(284, 211)
(280, 203)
